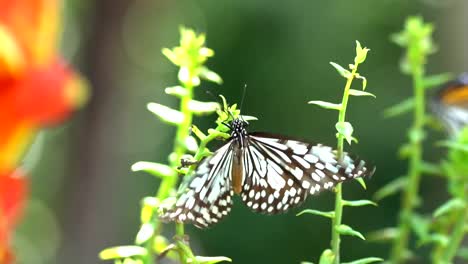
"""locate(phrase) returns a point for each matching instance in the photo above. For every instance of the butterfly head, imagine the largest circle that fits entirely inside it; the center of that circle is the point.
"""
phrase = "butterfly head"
(238, 130)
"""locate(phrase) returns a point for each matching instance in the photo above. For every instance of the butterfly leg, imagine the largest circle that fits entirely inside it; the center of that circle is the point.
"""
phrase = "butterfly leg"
(187, 162)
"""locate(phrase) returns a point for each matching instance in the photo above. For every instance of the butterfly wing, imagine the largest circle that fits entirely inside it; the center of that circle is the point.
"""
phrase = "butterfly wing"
(208, 195)
(281, 172)
(450, 104)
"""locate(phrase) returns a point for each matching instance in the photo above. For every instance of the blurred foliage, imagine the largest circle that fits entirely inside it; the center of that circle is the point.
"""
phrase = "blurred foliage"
(416, 40)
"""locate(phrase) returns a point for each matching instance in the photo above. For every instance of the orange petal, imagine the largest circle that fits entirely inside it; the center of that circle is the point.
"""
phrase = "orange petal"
(14, 138)
(11, 58)
(47, 95)
(13, 190)
(34, 23)
(5, 254)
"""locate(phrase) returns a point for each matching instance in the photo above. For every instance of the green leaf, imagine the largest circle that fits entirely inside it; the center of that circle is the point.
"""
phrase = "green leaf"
(156, 169)
(405, 150)
(347, 230)
(326, 105)
(362, 183)
(149, 205)
(436, 80)
(420, 225)
(391, 188)
(385, 234)
(330, 214)
(186, 77)
(178, 91)
(145, 233)
(416, 135)
(438, 239)
(342, 71)
(428, 168)
(206, 52)
(200, 135)
(346, 130)
(306, 262)
(210, 75)
(365, 260)
(359, 93)
(161, 246)
(166, 114)
(170, 55)
(203, 108)
(403, 107)
(453, 145)
(361, 53)
(454, 204)
(327, 257)
(122, 252)
(191, 144)
(358, 203)
(209, 260)
(364, 82)
(248, 118)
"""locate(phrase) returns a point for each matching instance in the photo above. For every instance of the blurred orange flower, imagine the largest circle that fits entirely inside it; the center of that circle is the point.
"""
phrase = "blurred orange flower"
(37, 89)
(12, 197)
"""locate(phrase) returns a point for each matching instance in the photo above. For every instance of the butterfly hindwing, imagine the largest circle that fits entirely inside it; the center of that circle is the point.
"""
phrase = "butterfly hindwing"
(207, 197)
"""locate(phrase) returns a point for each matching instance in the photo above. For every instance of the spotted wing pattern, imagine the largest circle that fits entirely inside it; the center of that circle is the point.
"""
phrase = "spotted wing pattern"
(281, 172)
(277, 174)
(208, 195)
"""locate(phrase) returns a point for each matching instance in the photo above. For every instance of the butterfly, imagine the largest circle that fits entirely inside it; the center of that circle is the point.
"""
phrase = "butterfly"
(451, 104)
(271, 173)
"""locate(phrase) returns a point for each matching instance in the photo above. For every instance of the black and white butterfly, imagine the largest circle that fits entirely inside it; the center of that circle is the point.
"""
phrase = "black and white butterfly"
(271, 173)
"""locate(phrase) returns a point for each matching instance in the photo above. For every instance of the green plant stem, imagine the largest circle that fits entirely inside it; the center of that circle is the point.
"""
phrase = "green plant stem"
(456, 237)
(447, 253)
(168, 184)
(179, 143)
(336, 222)
(410, 195)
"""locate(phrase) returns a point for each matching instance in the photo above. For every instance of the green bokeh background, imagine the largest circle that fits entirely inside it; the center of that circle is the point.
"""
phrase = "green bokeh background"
(84, 196)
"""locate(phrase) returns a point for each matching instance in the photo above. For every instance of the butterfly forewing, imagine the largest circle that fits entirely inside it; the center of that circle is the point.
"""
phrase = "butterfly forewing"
(208, 195)
(281, 172)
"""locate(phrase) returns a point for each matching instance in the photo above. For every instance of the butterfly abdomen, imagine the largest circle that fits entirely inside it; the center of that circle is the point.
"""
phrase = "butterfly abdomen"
(237, 171)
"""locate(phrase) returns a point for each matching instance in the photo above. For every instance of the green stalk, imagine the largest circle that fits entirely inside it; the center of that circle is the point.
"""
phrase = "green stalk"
(336, 222)
(179, 144)
(410, 195)
(459, 220)
(456, 237)
(179, 150)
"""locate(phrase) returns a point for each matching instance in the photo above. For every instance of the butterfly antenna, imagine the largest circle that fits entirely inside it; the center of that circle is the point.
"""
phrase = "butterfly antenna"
(243, 96)
(242, 101)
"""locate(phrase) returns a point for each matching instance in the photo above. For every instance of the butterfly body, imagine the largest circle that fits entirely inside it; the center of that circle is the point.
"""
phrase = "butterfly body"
(238, 135)
(271, 173)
